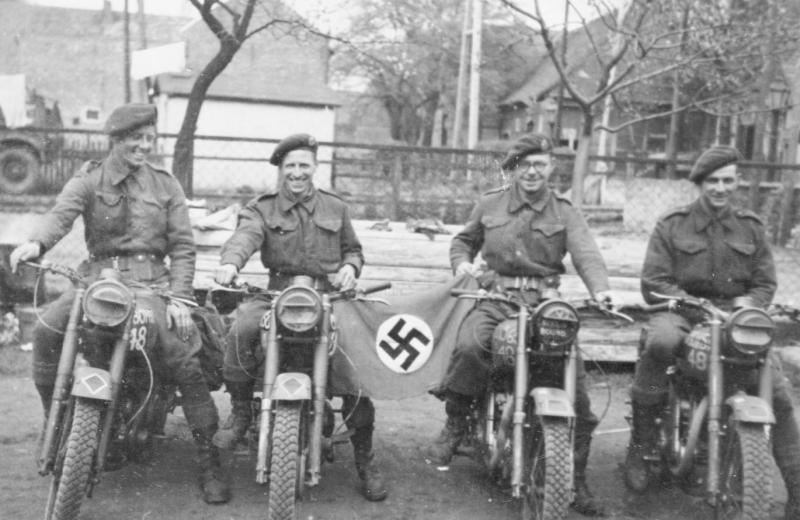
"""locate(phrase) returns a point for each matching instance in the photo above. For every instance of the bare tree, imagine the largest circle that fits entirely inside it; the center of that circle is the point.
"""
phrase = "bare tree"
(709, 54)
(233, 23)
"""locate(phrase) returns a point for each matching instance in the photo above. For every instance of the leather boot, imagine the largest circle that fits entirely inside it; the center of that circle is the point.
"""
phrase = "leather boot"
(786, 449)
(643, 444)
(46, 395)
(455, 427)
(213, 484)
(373, 486)
(234, 430)
(584, 501)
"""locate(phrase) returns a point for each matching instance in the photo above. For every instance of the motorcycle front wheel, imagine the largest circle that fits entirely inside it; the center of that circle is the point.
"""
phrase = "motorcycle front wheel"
(745, 473)
(286, 463)
(70, 481)
(549, 471)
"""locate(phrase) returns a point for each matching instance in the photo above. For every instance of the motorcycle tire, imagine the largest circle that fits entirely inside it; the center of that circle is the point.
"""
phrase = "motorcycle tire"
(71, 481)
(549, 471)
(285, 463)
(745, 473)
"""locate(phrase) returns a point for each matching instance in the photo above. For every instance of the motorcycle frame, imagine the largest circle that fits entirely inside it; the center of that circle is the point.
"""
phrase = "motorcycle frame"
(271, 345)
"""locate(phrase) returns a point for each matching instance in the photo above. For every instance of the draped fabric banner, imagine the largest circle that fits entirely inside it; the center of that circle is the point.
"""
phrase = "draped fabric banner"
(398, 350)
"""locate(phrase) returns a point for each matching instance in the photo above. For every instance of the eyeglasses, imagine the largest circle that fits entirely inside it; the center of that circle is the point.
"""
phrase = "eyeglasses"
(539, 166)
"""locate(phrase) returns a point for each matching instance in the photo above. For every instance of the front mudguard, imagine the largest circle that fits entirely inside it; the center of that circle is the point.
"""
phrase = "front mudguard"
(92, 383)
(750, 409)
(552, 402)
(292, 386)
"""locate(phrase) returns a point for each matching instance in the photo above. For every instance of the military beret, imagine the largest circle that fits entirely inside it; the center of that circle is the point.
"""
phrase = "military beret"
(293, 142)
(525, 145)
(712, 160)
(130, 116)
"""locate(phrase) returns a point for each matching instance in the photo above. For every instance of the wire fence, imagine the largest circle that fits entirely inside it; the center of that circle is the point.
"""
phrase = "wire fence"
(621, 194)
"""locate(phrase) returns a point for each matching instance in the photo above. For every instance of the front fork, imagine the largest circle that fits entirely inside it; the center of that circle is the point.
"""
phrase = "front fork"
(521, 394)
(269, 339)
(715, 396)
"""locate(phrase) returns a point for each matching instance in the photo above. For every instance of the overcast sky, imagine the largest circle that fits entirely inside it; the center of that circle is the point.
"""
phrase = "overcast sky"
(318, 10)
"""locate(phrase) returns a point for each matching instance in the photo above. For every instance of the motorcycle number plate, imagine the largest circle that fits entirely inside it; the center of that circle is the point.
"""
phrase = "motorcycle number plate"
(698, 349)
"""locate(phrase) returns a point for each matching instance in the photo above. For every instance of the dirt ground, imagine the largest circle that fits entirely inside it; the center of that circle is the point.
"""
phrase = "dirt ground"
(167, 487)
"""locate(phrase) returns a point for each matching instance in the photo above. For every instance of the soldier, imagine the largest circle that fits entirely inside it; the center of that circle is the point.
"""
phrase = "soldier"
(521, 230)
(135, 215)
(708, 249)
(300, 230)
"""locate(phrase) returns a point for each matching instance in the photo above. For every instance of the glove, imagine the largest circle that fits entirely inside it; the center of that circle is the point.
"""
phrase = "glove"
(345, 278)
(27, 251)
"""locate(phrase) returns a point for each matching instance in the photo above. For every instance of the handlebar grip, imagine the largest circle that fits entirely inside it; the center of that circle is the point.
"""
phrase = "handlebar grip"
(460, 292)
(379, 287)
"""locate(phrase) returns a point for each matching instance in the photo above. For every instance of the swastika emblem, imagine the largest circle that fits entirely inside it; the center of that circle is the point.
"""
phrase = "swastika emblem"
(404, 343)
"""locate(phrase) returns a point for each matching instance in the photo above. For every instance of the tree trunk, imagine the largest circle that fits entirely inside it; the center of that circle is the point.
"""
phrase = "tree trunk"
(582, 157)
(183, 156)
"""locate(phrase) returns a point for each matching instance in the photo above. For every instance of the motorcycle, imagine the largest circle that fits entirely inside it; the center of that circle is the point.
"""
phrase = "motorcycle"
(295, 423)
(108, 399)
(714, 432)
(523, 427)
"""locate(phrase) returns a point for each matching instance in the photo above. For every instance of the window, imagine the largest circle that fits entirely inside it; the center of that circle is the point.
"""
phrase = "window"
(91, 114)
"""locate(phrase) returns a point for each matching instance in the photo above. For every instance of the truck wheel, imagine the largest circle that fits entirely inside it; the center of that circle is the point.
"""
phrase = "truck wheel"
(19, 170)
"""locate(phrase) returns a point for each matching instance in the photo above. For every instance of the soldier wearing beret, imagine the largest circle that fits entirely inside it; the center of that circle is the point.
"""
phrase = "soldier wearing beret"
(521, 230)
(708, 249)
(300, 230)
(134, 215)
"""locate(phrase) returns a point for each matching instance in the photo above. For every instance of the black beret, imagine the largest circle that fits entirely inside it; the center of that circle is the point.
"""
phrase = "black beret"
(525, 145)
(130, 116)
(712, 160)
(293, 142)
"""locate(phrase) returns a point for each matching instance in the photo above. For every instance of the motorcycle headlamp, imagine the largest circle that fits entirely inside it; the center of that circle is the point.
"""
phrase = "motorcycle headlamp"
(750, 331)
(108, 302)
(556, 324)
(298, 308)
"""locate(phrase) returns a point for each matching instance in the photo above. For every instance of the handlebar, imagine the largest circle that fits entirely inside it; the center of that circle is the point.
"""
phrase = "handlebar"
(780, 309)
(586, 303)
(62, 270)
(356, 292)
(701, 304)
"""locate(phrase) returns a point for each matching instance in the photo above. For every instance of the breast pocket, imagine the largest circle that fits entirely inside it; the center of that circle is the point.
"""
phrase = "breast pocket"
(282, 244)
(150, 215)
(329, 238)
(108, 214)
(740, 260)
(692, 260)
(553, 237)
(497, 230)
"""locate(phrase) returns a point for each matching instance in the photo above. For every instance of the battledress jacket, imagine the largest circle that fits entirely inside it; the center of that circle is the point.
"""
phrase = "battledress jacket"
(126, 213)
(517, 237)
(696, 251)
(313, 236)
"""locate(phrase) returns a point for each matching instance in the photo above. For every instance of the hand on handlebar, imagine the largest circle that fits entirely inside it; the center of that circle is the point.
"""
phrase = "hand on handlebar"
(345, 277)
(225, 274)
(609, 299)
(466, 268)
(28, 251)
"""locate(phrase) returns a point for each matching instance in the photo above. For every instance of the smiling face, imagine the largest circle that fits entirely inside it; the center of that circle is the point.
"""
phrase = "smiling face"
(297, 170)
(718, 188)
(134, 147)
(532, 172)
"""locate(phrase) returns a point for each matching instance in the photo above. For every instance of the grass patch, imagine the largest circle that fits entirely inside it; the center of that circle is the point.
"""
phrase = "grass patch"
(15, 362)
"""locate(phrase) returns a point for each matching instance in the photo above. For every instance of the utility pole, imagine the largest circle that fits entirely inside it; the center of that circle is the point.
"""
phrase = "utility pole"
(142, 19)
(475, 75)
(127, 60)
(458, 117)
(556, 134)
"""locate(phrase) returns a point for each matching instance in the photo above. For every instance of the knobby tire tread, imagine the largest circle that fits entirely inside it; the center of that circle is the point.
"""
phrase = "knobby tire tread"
(82, 445)
(282, 501)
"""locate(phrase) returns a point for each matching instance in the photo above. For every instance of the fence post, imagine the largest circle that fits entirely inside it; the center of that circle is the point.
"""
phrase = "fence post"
(397, 176)
(785, 219)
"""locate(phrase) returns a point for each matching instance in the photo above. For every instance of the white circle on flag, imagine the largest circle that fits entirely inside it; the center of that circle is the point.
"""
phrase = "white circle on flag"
(404, 343)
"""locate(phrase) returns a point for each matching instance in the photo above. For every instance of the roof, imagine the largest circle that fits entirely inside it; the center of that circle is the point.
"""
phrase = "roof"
(582, 66)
